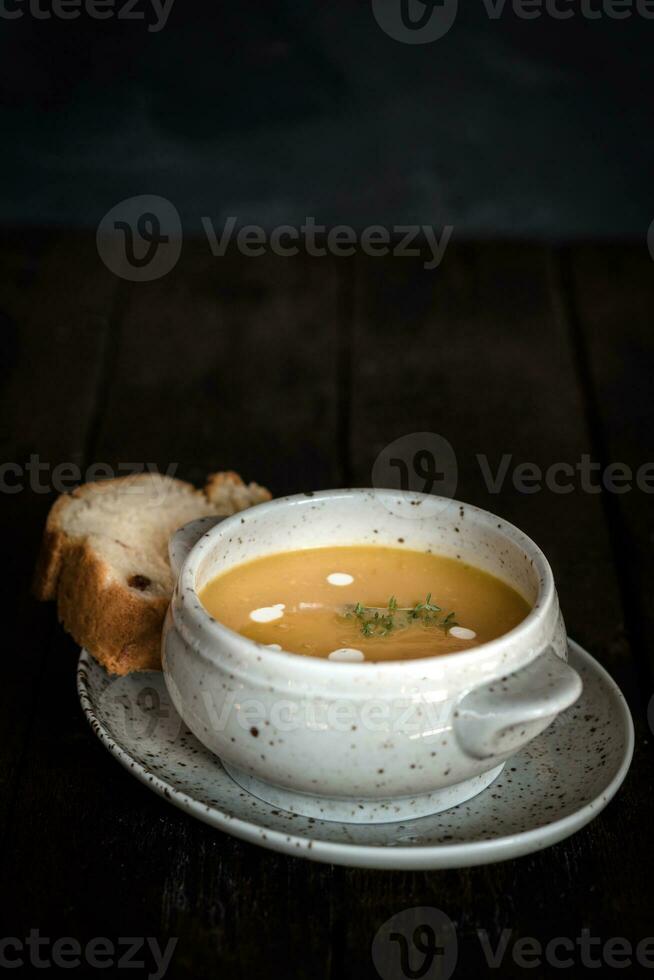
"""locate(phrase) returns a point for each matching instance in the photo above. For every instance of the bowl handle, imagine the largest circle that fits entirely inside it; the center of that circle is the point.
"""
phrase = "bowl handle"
(183, 540)
(501, 716)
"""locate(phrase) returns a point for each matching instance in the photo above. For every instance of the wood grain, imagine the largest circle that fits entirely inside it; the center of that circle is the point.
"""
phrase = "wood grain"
(56, 304)
(489, 363)
(298, 372)
(219, 366)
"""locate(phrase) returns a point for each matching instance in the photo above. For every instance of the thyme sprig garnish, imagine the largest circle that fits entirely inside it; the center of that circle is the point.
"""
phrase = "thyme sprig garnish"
(382, 620)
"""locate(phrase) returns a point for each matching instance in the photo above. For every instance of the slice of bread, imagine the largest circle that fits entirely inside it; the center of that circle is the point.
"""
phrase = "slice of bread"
(104, 558)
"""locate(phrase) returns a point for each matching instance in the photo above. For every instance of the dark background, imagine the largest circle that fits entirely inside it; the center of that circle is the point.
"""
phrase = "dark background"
(534, 337)
(272, 111)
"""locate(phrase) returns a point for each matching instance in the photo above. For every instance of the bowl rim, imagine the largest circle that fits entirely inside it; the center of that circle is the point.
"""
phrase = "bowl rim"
(195, 614)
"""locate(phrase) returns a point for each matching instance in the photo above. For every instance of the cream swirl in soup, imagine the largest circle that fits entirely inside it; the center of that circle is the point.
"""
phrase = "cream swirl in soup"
(354, 603)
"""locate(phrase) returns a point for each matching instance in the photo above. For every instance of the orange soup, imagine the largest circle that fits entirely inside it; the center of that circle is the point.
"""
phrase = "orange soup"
(363, 603)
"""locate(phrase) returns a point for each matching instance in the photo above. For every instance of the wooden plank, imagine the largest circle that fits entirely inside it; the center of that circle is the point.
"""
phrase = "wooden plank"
(233, 363)
(245, 363)
(55, 307)
(225, 363)
(480, 352)
(610, 295)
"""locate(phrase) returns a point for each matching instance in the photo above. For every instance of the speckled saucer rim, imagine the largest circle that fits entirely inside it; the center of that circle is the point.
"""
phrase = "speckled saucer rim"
(456, 855)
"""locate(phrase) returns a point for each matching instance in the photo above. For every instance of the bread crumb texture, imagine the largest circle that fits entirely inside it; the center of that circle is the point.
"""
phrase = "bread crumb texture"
(104, 558)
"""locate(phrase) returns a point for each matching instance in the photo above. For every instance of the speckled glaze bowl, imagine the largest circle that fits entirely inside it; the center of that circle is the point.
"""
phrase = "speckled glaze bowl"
(364, 742)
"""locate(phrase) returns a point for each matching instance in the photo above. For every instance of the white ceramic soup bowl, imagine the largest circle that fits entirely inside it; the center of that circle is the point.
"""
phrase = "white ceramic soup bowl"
(364, 742)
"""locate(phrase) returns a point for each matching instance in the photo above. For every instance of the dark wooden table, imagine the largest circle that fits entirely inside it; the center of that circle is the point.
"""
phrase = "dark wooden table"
(297, 372)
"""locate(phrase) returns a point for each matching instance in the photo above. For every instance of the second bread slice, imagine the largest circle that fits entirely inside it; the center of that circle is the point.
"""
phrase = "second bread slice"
(104, 558)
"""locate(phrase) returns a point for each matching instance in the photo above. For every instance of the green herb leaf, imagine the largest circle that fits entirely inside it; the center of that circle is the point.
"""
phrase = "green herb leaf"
(380, 621)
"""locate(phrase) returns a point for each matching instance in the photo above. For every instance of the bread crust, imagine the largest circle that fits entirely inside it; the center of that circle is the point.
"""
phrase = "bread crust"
(118, 625)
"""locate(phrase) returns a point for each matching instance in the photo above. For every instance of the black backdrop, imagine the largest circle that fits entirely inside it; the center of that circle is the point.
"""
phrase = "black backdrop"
(272, 111)
(298, 373)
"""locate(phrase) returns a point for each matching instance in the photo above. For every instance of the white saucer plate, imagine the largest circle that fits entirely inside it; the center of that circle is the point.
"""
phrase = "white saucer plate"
(545, 793)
